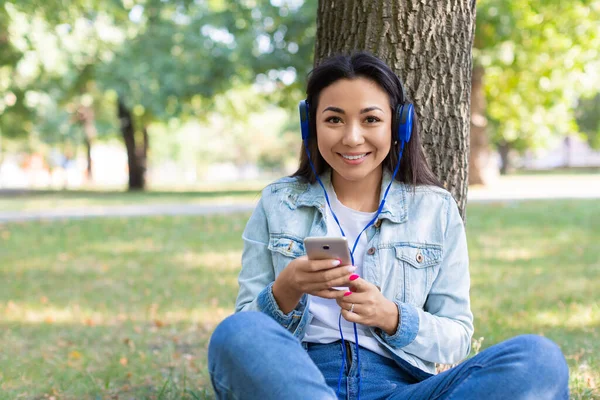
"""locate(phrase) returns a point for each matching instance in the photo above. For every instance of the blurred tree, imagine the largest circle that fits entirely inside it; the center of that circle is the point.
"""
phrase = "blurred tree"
(166, 60)
(55, 73)
(429, 47)
(535, 57)
(587, 115)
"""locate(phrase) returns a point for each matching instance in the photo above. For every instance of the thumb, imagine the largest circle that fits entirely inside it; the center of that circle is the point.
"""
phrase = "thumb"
(359, 285)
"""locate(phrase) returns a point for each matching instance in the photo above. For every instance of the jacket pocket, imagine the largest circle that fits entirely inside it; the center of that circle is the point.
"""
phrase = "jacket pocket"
(418, 265)
(285, 248)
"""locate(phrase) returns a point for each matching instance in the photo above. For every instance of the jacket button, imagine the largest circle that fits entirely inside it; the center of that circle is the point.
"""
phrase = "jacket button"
(371, 251)
(419, 258)
(377, 223)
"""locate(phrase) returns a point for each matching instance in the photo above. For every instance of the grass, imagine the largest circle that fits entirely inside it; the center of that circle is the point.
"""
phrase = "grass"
(125, 307)
(16, 200)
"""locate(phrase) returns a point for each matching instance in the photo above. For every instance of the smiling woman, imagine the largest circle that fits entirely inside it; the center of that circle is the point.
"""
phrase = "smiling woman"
(407, 307)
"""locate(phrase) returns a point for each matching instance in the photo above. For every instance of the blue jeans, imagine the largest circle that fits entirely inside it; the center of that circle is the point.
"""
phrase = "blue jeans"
(250, 356)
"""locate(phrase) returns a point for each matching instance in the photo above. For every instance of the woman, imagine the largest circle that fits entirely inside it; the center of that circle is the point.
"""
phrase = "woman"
(407, 307)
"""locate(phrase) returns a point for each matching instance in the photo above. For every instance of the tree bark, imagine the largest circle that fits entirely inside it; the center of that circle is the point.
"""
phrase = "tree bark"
(428, 44)
(479, 146)
(136, 153)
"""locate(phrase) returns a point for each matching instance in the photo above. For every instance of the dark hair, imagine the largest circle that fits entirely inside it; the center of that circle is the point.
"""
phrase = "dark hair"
(413, 166)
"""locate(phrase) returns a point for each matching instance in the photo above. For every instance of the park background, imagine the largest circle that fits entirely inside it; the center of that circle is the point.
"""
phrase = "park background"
(136, 136)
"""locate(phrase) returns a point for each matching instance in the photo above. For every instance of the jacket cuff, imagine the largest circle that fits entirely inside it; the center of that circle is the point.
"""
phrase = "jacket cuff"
(266, 303)
(408, 327)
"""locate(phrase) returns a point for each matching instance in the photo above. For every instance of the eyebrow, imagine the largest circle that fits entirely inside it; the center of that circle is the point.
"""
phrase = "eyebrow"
(364, 110)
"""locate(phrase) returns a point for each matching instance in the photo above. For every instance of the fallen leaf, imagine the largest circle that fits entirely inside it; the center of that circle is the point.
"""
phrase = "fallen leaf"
(158, 323)
(123, 361)
(44, 299)
(75, 355)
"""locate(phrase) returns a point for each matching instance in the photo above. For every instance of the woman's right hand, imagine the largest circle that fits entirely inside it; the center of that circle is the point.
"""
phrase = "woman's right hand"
(318, 277)
(315, 277)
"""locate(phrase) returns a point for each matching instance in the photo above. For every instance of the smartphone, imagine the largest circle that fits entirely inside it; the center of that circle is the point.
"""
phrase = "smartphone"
(323, 248)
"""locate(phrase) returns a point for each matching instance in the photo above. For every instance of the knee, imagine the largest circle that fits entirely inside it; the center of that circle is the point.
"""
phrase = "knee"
(235, 333)
(537, 353)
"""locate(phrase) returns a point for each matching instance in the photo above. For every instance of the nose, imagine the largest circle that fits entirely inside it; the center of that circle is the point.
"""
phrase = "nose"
(353, 136)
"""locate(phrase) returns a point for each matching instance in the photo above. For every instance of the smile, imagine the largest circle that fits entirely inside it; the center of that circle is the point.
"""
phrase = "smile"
(354, 157)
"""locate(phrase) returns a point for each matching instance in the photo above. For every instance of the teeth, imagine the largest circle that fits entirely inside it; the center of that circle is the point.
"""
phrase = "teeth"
(354, 157)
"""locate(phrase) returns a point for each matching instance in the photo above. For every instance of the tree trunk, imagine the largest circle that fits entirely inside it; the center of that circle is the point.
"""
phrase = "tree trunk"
(480, 147)
(86, 118)
(504, 150)
(428, 44)
(136, 154)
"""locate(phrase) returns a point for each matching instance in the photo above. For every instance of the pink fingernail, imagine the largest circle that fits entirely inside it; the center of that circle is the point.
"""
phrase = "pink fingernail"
(354, 277)
(347, 294)
(335, 263)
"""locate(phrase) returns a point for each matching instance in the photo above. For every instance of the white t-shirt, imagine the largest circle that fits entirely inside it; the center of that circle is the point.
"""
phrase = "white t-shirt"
(324, 326)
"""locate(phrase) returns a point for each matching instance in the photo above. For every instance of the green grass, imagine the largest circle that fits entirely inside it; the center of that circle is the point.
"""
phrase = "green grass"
(125, 307)
(29, 200)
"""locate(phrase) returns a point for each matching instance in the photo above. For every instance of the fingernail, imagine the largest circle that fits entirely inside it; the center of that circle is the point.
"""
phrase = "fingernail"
(335, 263)
(354, 277)
(351, 268)
(347, 294)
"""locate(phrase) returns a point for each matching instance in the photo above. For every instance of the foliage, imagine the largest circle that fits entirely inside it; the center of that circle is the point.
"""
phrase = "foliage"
(539, 56)
(165, 59)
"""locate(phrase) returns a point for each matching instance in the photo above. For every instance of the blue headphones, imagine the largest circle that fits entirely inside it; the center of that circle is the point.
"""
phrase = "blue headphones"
(402, 121)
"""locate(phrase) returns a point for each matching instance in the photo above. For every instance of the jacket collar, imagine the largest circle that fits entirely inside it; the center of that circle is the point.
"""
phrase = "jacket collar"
(394, 208)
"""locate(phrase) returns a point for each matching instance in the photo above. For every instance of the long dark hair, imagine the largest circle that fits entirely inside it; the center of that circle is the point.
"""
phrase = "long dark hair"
(414, 169)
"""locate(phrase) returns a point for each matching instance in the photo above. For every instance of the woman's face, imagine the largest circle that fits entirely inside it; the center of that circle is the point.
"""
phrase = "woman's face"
(354, 123)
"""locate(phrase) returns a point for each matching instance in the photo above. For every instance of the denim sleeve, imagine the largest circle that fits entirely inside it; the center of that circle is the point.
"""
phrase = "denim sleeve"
(257, 276)
(442, 331)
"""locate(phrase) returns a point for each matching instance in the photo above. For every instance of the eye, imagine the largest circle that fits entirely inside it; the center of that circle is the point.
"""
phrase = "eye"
(372, 120)
(334, 120)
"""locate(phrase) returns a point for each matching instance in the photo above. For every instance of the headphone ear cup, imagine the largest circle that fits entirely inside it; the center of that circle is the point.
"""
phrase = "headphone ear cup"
(304, 119)
(404, 121)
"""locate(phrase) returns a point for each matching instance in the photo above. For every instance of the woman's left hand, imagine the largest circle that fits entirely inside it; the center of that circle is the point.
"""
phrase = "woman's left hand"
(371, 308)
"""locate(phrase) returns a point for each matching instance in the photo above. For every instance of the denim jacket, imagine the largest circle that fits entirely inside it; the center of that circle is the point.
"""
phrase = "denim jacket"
(417, 257)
